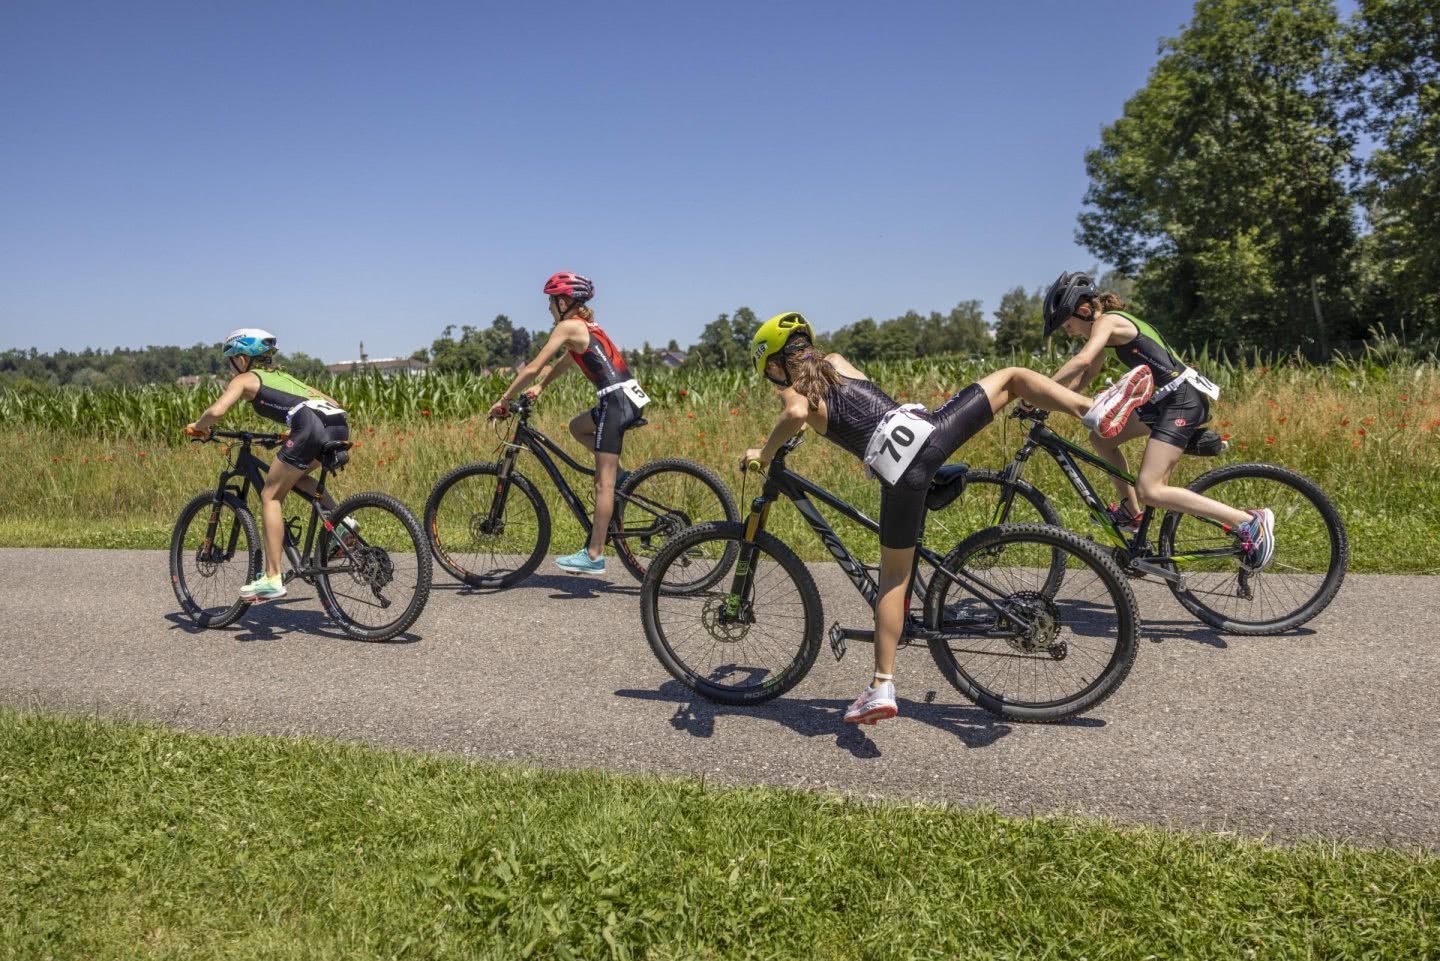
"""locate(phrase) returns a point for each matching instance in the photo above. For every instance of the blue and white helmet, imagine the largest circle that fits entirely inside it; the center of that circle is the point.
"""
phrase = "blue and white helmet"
(249, 342)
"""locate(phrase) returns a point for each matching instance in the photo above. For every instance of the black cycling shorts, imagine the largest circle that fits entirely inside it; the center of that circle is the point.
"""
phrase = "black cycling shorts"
(614, 414)
(310, 431)
(902, 506)
(1175, 418)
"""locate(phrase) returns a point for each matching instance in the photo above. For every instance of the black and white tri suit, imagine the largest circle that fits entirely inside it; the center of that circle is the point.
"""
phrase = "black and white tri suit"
(312, 419)
(617, 404)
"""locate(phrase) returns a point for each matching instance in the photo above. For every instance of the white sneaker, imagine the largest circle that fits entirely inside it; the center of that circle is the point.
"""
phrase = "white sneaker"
(873, 704)
(1109, 413)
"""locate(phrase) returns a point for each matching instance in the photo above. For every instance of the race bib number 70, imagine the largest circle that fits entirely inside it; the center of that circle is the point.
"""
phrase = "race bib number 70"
(896, 440)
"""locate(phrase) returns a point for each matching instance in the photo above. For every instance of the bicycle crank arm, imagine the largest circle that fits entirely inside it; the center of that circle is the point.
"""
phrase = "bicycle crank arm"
(1174, 577)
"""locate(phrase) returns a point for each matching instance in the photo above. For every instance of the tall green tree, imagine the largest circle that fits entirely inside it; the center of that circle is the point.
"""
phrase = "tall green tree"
(1020, 321)
(1220, 188)
(1395, 70)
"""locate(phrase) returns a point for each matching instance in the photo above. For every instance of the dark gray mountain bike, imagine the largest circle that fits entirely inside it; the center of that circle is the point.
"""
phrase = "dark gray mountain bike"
(489, 527)
(1200, 560)
(1031, 623)
(367, 559)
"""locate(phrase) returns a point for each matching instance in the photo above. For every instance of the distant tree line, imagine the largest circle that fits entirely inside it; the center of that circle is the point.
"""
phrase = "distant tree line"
(126, 367)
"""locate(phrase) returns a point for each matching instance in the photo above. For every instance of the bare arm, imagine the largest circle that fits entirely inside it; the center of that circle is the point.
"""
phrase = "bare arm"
(845, 367)
(560, 338)
(550, 374)
(228, 399)
(1085, 366)
(794, 409)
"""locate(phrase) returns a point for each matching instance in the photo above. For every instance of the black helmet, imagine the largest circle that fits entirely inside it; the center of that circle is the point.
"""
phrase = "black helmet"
(1064, 296)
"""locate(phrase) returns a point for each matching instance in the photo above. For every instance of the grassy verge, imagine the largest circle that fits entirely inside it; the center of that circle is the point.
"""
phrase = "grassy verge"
(1375, 448)
(124, 840)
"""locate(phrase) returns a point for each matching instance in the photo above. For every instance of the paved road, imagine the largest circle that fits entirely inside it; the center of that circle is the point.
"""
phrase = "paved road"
(1332, 731)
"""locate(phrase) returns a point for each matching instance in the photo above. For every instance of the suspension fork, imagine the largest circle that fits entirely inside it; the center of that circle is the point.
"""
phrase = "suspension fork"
(743, 582)
(1010, 479)
(502, 478)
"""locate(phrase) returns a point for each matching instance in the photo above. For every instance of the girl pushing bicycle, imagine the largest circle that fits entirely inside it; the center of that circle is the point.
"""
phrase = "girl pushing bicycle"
(1176, 411)
(312, 418)
(903, 446)
(618, 400)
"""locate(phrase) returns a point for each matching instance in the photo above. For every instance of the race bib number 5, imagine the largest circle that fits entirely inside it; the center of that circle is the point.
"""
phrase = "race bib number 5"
(323, 407)
(896, 440)
(637, 396)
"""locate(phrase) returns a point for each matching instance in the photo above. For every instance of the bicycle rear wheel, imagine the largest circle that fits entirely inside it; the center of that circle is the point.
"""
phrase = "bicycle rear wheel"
(1312, 551)
(1018, 650)
(660, 500)
(726, 647)
(209, 564)
(375, 565)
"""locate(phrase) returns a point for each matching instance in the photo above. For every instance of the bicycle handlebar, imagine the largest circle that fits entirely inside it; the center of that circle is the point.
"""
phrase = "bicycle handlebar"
(1023, 411)
(244, 436)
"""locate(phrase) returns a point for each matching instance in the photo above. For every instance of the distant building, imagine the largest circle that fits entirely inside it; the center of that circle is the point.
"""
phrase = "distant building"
(385, 366)
(192, 380)
(671, 358)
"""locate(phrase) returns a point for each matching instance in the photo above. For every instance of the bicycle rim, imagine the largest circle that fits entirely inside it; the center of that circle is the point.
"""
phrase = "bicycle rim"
(377, 573)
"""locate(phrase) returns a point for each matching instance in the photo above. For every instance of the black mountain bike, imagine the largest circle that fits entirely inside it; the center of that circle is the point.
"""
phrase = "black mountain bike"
(1200, 561)
(1019, 638)
(489, 527)
(367, 559)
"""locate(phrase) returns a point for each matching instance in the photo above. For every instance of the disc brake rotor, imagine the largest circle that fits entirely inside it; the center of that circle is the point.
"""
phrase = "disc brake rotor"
(729, 629)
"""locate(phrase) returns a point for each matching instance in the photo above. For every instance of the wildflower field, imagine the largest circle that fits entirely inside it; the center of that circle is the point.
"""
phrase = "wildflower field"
(109, 468)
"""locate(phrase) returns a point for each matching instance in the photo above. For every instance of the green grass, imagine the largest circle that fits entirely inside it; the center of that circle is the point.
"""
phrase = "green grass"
(122, 840)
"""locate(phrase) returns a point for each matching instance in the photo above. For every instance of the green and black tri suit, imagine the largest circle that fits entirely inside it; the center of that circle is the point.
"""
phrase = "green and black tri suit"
(312, 419)
(1175, 413)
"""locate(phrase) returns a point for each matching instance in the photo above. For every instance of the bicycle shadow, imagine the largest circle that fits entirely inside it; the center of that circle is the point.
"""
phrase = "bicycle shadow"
(1159, 631)
(824, 717)
(567, 587)
(275, 620)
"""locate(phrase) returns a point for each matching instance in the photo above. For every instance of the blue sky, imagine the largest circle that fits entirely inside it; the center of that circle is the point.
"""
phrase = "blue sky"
(345, 170)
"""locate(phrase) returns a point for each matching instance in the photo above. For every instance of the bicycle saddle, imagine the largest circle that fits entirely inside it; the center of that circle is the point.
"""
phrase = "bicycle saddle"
(335, 455)
(947, 484)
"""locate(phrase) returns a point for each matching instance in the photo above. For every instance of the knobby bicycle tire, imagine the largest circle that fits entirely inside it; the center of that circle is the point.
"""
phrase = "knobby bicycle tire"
(450, 555)
(808, 631)
(209, 617)
(414, 605)
(677, 518)
(1107, 679)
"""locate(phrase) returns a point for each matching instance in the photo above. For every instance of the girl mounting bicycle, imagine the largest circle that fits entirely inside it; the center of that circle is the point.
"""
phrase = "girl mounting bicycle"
(903, 446)
(1176, 411)
(618, 400)
(312, 418)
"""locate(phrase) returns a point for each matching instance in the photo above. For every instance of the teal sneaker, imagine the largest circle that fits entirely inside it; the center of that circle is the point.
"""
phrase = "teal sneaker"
(263, 589)
(580, 562)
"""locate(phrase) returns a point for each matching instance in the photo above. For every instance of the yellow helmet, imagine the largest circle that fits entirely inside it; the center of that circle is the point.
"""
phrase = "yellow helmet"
(772, 336)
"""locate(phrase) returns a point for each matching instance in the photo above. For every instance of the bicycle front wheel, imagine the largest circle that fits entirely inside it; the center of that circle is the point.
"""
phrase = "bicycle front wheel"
(1014, 647)
(659, 501)
(1312, 551)
(477, 544)
(375, 567)
(214, 551)
(734, 647)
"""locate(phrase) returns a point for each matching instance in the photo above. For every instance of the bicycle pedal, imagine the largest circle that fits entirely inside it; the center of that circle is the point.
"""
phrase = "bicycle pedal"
(838, 645)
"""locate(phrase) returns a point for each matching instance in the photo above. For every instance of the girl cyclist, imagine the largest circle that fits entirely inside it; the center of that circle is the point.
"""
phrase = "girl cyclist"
(619, 400)
(1180, 405)
(313, 419)
(836, 400)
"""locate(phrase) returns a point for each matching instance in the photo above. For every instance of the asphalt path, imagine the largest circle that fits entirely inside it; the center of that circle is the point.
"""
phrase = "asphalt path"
(1333, 730)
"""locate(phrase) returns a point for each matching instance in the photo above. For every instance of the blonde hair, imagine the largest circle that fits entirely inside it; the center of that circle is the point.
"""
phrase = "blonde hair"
(810, 374)
(585, 313)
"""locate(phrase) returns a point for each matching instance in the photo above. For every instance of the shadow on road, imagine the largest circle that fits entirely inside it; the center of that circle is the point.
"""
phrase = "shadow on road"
(823, 717)
(276, 619)
(571, 587)
(1157, 631)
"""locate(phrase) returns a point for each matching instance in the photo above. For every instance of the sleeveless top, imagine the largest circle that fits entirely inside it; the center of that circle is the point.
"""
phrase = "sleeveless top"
(601, 360)
(1149, 348)
(279, 393)
(852, 410)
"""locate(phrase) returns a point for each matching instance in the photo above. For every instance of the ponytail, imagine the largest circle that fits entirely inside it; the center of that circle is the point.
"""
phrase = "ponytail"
(809, 373)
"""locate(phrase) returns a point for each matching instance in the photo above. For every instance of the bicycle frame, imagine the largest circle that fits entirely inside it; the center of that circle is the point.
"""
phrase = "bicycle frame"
(781, 481)
(1065, 454)
(527, 438)
(250, 472)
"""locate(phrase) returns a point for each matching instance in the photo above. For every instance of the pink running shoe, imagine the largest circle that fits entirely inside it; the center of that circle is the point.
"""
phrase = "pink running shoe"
(874, 704)
(1112, 409)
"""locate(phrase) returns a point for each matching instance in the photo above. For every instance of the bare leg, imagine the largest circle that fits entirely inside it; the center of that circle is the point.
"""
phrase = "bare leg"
(605, 467)
(1153, 483)
(1110, 452)
(278, 482)
(308, 484)
(895, 565)
(1010, 384)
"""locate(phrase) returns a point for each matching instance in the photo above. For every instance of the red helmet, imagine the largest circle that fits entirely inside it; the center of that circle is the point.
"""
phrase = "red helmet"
(566, 284)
